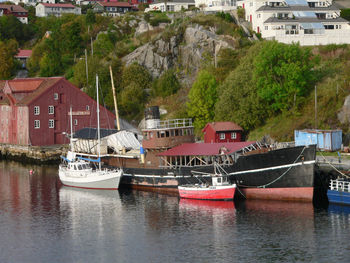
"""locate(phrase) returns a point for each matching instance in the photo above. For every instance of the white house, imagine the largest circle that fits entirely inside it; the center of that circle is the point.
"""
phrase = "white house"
(309, 22)
(174, 5)
(44, 9)
(32, 2)
(216, 5)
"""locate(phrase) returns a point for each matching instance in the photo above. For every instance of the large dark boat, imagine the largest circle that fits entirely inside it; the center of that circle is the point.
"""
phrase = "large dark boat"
(169, 157)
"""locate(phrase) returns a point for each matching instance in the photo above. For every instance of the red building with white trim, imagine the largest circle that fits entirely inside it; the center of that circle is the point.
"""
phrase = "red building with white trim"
(35, 111)
(227, 131)
(15, 10)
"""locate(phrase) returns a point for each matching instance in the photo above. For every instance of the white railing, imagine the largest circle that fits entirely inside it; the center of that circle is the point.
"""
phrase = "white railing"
(340, 185)
(174, 123)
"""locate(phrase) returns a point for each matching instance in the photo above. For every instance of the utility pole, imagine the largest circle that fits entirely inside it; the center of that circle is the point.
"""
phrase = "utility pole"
(87, 72)
(315, 107)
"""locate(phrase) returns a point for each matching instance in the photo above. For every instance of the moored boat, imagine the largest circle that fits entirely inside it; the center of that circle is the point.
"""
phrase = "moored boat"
(220, 189)
(76, 171)
(170, 157)
(339, 191)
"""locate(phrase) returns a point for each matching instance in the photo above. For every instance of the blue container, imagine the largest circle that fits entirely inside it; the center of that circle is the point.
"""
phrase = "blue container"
(338, 197)
(326, 140)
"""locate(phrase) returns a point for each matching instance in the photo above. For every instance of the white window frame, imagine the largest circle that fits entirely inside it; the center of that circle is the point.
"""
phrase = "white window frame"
(36, 124)
(222, 136)
(233, 135)
(51, 110)
(55, 96)
(51, 123)
(36, 110)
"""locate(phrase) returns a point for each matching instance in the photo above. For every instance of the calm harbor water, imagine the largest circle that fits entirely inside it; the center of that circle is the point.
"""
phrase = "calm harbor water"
(42, 221)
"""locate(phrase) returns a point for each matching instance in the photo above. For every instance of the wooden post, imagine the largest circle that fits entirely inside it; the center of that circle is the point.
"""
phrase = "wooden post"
(86, 68)
(315, 107)
(115, 100)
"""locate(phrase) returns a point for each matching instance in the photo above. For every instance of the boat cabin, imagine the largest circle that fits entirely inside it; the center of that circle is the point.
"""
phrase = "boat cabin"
(220, 180)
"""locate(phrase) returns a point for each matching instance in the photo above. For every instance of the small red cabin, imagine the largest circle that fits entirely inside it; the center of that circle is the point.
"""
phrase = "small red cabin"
(222, 132)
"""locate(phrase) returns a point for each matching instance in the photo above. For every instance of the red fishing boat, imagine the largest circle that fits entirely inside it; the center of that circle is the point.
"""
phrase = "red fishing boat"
(220, 189)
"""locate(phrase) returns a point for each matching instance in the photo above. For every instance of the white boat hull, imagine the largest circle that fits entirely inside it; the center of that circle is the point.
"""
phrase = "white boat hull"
(104, 179)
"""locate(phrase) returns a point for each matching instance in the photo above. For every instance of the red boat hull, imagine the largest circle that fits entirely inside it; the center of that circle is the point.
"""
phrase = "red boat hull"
(226, 193)
(287, 193)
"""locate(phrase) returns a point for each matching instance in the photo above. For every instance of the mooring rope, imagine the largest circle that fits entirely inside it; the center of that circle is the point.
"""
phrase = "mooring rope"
(335, 168)
(278, 178)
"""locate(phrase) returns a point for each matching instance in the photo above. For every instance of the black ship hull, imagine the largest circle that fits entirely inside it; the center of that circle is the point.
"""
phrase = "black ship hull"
(281, 174)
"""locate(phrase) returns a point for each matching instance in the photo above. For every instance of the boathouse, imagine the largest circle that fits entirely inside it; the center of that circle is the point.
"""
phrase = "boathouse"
(326, 140)
(218, 132)
(36, 111)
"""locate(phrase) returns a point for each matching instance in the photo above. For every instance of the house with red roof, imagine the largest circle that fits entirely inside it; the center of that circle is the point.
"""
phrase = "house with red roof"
(36, 111)
(46, 9)
(112, 8)
(15, 10)
(217, 132)
(23, 55)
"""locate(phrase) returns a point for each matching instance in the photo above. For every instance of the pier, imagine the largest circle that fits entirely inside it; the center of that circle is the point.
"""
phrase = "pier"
(33, 154)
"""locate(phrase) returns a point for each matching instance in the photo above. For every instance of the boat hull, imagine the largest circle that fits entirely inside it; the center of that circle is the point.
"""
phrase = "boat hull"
(208, 193)
(283, 174)
(338, 197)
(104, 180)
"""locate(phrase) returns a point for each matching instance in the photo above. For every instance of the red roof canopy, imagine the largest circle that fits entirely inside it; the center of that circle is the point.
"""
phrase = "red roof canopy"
(24, 53)
(223, 126)
(205, 149)
(115, 4)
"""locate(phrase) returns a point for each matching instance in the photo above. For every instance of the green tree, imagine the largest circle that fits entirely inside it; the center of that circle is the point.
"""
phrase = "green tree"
(8, 50)
(283, 74)
(102, 45)
(131, 102)
(238, 99)
(137, 74)
(90, 17)
(166, 85)
(202, 98)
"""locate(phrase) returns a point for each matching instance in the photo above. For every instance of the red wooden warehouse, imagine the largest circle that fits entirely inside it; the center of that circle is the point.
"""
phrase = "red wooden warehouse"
(227, 131)
(36, 111)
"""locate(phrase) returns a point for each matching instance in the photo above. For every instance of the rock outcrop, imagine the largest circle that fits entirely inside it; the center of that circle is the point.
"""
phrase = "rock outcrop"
(344, 114)
(185, 51)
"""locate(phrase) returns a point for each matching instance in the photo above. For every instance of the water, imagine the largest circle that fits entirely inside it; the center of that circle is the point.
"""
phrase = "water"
(42, 221)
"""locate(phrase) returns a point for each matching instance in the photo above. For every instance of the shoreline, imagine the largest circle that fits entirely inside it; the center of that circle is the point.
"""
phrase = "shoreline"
(32, 154)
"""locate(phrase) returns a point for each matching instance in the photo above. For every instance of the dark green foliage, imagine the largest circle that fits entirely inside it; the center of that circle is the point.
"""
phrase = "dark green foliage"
(159, 18)
(166, 85)
(345, 13)
(283, 74)
(202, 98)
(12, 28)
(8, 49)
(225, 16)
(90, 17)
(238, 100)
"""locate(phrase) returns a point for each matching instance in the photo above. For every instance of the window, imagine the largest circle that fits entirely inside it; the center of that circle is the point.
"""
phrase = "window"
(222, 136)
(87, 107)
(51, 123)
(55, 96)
(36, 124)
(75, 122)
(266, 28)
(36, 110)
(51, 109)
(233, 135)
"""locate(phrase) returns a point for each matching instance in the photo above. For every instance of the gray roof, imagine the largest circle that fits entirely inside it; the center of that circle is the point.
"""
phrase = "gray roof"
(176, 2)
(306, 20)
(333, 7)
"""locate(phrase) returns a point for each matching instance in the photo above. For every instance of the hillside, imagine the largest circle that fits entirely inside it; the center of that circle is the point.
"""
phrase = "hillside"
(195, 65)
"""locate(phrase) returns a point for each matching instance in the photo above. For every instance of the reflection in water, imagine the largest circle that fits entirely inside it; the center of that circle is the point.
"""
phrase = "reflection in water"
(51, 223)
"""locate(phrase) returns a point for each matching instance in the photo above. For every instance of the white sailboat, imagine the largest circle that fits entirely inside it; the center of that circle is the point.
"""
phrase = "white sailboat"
(76, 171)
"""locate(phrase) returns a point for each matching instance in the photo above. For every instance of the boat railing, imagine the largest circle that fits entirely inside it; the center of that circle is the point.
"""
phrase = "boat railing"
(173, 123)
(340, 185)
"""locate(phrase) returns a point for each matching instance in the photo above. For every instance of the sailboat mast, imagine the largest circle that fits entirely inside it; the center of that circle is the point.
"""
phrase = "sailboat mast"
(71, 128)
(115, 99)
(98, 124)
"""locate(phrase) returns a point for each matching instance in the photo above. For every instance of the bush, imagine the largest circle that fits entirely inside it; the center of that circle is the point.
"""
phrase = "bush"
(166, 85)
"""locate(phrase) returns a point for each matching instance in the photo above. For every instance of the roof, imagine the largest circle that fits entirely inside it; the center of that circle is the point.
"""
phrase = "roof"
(175, 2)
(58, 5)
(223, 126)
(205, 149)
(114, 4)
(24, 53)
(306, 20)
(15, 8)
(33, 86)
(333, 7)
(91, 133)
